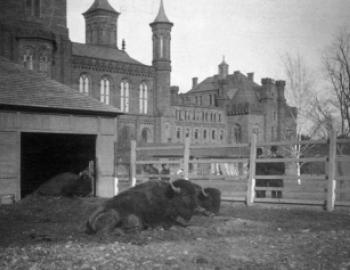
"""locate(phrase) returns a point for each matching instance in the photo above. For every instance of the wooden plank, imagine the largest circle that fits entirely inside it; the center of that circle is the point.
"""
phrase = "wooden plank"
(209, 146)
(186, 157)
(343, 141)
(275, 160)
(269, 188)
(133, 163)
(331, 171)
(342, 203)
(343, 178)
(154, 161)
(289, 201)
(208, 161)
(294, 142)
(160, 147)
(302, 177)
(233, 198)
(252, 166)
(342, 158)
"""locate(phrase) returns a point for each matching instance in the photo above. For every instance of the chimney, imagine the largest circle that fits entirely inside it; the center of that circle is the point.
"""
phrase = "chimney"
(194, 82)
(250, 76)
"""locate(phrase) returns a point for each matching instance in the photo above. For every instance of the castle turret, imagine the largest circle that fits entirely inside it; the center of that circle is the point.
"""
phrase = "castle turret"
(101, 24)
(223, 69)
(161, 28)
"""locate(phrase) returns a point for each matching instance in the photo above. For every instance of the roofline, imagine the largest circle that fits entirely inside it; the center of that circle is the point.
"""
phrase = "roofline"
(14, 107)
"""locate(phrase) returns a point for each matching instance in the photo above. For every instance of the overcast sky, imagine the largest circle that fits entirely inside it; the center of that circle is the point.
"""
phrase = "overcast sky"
(251, 34)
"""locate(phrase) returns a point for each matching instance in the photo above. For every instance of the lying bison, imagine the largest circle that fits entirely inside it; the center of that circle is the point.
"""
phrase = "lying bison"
(150, 204)
(67, 184)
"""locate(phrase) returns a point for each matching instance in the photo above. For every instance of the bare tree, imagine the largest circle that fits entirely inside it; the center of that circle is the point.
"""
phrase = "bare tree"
(337, 64)
(299, 90)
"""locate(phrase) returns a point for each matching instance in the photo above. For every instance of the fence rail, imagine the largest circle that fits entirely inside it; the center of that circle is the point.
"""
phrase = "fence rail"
(237, 177)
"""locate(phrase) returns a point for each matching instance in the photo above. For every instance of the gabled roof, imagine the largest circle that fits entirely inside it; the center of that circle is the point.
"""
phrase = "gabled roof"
(101, 5)
(106, 53)
(236, 80)
(237, 85)
(29, 90)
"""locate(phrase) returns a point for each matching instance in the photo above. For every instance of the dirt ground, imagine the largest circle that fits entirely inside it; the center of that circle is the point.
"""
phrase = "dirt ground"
(48, 233)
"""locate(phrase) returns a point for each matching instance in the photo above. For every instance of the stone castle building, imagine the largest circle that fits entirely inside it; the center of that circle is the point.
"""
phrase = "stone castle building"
(223, 108)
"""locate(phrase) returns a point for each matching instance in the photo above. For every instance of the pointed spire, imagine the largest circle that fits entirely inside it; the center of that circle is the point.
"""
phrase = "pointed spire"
(223, 61)
(161, 17)
(101, 5)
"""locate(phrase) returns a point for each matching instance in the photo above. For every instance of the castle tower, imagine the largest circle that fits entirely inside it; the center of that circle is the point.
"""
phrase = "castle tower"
(223, 69)
(101, 24)
(161, 28)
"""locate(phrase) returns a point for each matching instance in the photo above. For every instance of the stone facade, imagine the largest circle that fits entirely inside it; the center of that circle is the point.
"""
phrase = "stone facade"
(224, 108)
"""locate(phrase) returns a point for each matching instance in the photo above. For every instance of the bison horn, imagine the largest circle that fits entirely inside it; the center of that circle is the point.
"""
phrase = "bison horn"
(204, 193)
(175, 189)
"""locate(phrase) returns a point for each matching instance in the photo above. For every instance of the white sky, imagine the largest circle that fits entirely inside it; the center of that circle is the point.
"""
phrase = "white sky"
(252, 34)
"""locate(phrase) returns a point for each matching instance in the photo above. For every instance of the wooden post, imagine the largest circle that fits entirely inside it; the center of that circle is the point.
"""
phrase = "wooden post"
(186, 157)
(252, 165)
(132, 174)
(331, 171)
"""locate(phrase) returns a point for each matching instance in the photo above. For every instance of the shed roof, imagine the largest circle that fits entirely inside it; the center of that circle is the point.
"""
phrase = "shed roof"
(25, 89)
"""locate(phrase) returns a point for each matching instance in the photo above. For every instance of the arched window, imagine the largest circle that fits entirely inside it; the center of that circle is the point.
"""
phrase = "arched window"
(205, 134)
(188, 133)
(33, 8)
(213, 135)
(124, 96)
(143, 98)
(105, 90)
(178, 133)
(44, 61)
(28, 56)
(84, 84)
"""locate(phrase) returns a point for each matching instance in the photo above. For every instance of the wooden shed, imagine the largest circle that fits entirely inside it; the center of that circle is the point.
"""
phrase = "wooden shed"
(47, 128)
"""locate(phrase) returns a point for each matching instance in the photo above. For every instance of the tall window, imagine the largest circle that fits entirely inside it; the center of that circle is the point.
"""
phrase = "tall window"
(28, 58)
(237, 133)
(43, 62)
(178, 133)
(196, 134)
(161, 46)
(221, 135)
(105, 90)
(213, 135)
(143, 98)
(33, 8)
(205, 134)
(256, 130)
(84, 84)
(124, 96)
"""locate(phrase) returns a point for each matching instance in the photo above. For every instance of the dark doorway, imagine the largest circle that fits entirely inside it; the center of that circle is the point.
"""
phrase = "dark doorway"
(44, 155)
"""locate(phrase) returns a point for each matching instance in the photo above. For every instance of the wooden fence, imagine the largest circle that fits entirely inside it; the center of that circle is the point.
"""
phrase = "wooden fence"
(232, 169)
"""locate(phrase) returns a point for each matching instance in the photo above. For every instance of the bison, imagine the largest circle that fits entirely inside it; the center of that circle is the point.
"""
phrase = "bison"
(67, 184)
(150, 204)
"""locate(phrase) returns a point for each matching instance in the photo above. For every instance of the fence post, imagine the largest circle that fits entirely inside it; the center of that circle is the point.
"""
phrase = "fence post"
(132, 175)
(331, 186)
(186, 157)
(251, 176)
